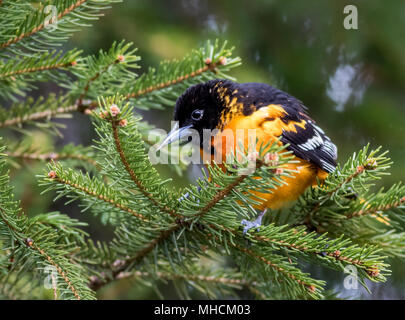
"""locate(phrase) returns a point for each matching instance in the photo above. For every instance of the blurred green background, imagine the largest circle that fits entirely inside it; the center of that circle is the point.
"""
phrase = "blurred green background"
(352, 81)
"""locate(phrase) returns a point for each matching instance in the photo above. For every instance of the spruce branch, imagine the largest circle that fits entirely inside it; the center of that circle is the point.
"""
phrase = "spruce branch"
(84, 185)
(174, 76)
(221, 195)
(205, 279)
(50, 156)
(210, 66)
(189, 277)
(19, 70)
(107, 72)
(132, 174)
(33, 244)
(316, 248)
(140, 255)
(296, 283)
(196, 279)
(69, 152)
(166, 233)
(352, 181)
(30, 243)
(41, 26)
(310, 286)
(31, 111)
(32, 32)
(90, 73)
(344, 204)
(94, 78)
(38, 116)
(21, 74)
(372, 210)
(99, 196)
(117, 118)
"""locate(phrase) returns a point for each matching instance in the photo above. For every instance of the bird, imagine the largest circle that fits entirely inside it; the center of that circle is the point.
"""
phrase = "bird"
(276, 116)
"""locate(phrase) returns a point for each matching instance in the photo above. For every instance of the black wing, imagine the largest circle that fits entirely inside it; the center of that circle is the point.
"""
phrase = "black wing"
(313, 145)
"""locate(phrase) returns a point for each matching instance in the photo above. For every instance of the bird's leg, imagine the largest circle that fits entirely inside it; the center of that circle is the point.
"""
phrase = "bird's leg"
(253, 224)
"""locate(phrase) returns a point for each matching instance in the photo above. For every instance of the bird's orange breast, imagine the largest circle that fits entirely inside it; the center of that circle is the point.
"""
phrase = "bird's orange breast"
(266, 125)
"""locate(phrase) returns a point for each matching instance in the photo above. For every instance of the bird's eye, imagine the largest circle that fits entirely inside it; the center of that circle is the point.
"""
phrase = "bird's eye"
(197, 114)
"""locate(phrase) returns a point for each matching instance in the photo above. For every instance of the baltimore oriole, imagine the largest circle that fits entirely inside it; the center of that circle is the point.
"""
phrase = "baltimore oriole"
(276, 116)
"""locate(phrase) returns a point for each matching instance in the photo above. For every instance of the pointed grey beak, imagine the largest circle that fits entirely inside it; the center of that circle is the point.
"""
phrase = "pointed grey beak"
(175, 135)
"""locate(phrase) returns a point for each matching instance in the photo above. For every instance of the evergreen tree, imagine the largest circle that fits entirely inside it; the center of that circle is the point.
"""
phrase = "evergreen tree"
(160, 233)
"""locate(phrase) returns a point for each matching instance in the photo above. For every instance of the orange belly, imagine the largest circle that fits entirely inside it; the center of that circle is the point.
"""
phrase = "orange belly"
(266, 132)
(294, 186)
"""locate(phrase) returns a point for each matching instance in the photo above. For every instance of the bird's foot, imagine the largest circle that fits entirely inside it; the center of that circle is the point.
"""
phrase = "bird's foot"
(253, 224)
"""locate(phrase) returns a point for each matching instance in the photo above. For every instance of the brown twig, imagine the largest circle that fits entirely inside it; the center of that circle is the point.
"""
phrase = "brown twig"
(30, 243)
(364, 212)
(38, 115)
(96, 283)
(2, 211)
(189, 277)
(317, 206)
(52, 156)
(221, 195)
(98, 196)
(274, 266)
(42, 68)
(54, 287)
(134, 177)
(208, 67)
(335, 255)
(92, 79)
(359, 170)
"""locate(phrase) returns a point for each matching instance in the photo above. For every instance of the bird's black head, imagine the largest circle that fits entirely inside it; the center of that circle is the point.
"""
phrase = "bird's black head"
(198, 108)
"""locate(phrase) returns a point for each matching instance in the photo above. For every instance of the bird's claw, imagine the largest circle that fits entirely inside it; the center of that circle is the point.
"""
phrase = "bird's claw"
(253, 224)
(250, 225)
